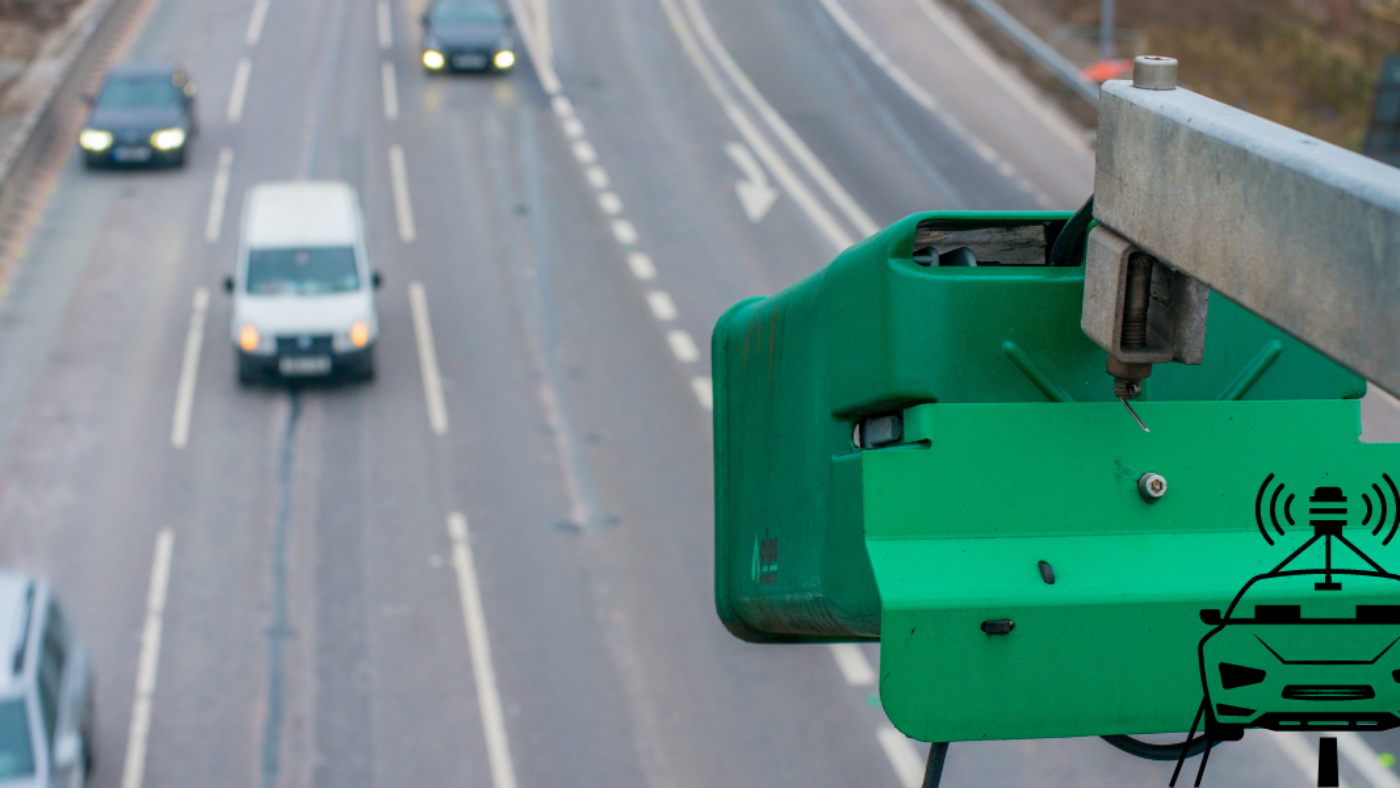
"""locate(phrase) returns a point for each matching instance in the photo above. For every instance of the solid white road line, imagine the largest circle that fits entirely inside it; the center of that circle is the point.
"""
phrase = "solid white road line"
(610, 203)
(134, 769)
(255, 23)
(386, 27)
(624, 232)
(536, 41)
(189, 371)
(903, 756)
(661, 305)
(979, 53)
(853, 664)
(218, 196)
(825, 223)
(488, 696)
(641, 266)
(240, 89)
(391, 90)
(403, 207)
(854, 214)
(597, 177)
(683, 346)
(704, 391)
(427, 359)
(1359, 754)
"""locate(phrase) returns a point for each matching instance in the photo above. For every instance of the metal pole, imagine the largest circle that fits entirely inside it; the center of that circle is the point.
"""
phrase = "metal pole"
(1106, 31)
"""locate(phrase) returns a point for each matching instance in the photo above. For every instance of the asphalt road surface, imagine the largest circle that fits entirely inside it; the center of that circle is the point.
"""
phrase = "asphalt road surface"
(492, 565)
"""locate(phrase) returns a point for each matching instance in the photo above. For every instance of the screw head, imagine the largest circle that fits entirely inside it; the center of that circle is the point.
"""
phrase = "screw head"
(1154, 73)
(1152, 487)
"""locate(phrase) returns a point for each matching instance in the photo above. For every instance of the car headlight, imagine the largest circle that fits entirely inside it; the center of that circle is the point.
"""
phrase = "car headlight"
(433, 59)
(1233, 676)
(504, 59)
(168, 139)
(95, 140)
(359, 333)
(248, 338)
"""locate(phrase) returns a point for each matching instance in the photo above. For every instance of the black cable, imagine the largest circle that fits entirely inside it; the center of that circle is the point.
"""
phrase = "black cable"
(1070, 243)
(937, 754)
(1157, 752)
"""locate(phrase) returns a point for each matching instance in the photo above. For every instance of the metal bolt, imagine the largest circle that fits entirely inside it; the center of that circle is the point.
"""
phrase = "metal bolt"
(1154, 73)
(1152, 486)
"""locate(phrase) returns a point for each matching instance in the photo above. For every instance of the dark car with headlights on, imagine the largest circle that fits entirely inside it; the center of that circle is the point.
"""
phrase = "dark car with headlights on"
(467, 35)
(144, 114)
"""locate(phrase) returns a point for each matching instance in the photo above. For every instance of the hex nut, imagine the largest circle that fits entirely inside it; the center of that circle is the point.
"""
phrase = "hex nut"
(1152, 487)
(1154, 73)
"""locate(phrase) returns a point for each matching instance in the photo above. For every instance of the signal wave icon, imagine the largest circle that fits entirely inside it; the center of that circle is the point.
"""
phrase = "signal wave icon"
(1273, 508)
(1394, 506)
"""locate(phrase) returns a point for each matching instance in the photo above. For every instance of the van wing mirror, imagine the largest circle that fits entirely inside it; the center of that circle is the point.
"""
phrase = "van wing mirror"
(377, 280)
(228, 284)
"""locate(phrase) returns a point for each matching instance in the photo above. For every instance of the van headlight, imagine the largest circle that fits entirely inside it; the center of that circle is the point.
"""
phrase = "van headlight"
(433, 59)
(248, 338)
(504, 59)
(168, 139)
(95, 140)
(357, 338)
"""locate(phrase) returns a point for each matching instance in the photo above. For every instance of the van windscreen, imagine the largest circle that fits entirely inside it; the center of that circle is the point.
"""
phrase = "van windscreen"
(314, 270)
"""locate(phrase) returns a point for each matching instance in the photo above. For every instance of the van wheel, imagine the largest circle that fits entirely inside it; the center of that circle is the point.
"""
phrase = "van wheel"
(247, 375)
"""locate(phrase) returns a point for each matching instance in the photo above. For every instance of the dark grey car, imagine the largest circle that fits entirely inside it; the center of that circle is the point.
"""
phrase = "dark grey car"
(46, 690)
(144, 114)
(467, 35)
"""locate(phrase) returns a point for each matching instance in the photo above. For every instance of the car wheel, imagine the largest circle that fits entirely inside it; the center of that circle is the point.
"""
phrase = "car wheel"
(179, 161)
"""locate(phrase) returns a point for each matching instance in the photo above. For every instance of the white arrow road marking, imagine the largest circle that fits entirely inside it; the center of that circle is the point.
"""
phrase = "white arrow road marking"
(754, 192)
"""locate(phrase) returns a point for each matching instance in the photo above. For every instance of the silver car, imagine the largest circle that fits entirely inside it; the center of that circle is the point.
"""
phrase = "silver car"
(46, 689)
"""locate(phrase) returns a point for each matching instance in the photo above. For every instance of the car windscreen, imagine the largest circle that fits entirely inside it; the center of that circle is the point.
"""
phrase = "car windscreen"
(146, 92)
(16, 746)
(1294, 597)
(316, 270)
(465, 13)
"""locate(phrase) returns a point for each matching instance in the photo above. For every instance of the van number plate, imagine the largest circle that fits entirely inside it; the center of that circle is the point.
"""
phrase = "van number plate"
(304, 365)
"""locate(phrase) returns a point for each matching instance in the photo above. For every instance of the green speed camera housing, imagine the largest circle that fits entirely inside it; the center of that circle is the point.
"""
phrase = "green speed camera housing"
(932, 456)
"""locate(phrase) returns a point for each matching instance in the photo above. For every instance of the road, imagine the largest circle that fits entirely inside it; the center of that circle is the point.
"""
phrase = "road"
(492, 565)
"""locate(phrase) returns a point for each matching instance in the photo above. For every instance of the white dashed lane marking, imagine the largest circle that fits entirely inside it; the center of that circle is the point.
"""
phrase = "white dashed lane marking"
(597, 177)
(683, 346)
(403, 206)
(391, 90)
(854, 666)
(189, 371)
(584, 152)
(218, 196)
(386, 29)
(488, 695)
(704, 391)
(240, 89)
(662, 307)
(134, 770)
(255, 23)
(610, 203)
(624, 232)
(427, 359)
(641, 266)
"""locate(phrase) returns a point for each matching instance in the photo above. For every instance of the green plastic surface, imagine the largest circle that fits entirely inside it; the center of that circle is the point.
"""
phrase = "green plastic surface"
(1014, 452)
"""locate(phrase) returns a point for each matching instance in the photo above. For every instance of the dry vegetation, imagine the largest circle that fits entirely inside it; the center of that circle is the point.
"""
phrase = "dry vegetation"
(1310, 64)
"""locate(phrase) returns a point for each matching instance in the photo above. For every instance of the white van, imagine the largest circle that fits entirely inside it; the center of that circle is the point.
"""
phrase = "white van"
(303, 291)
